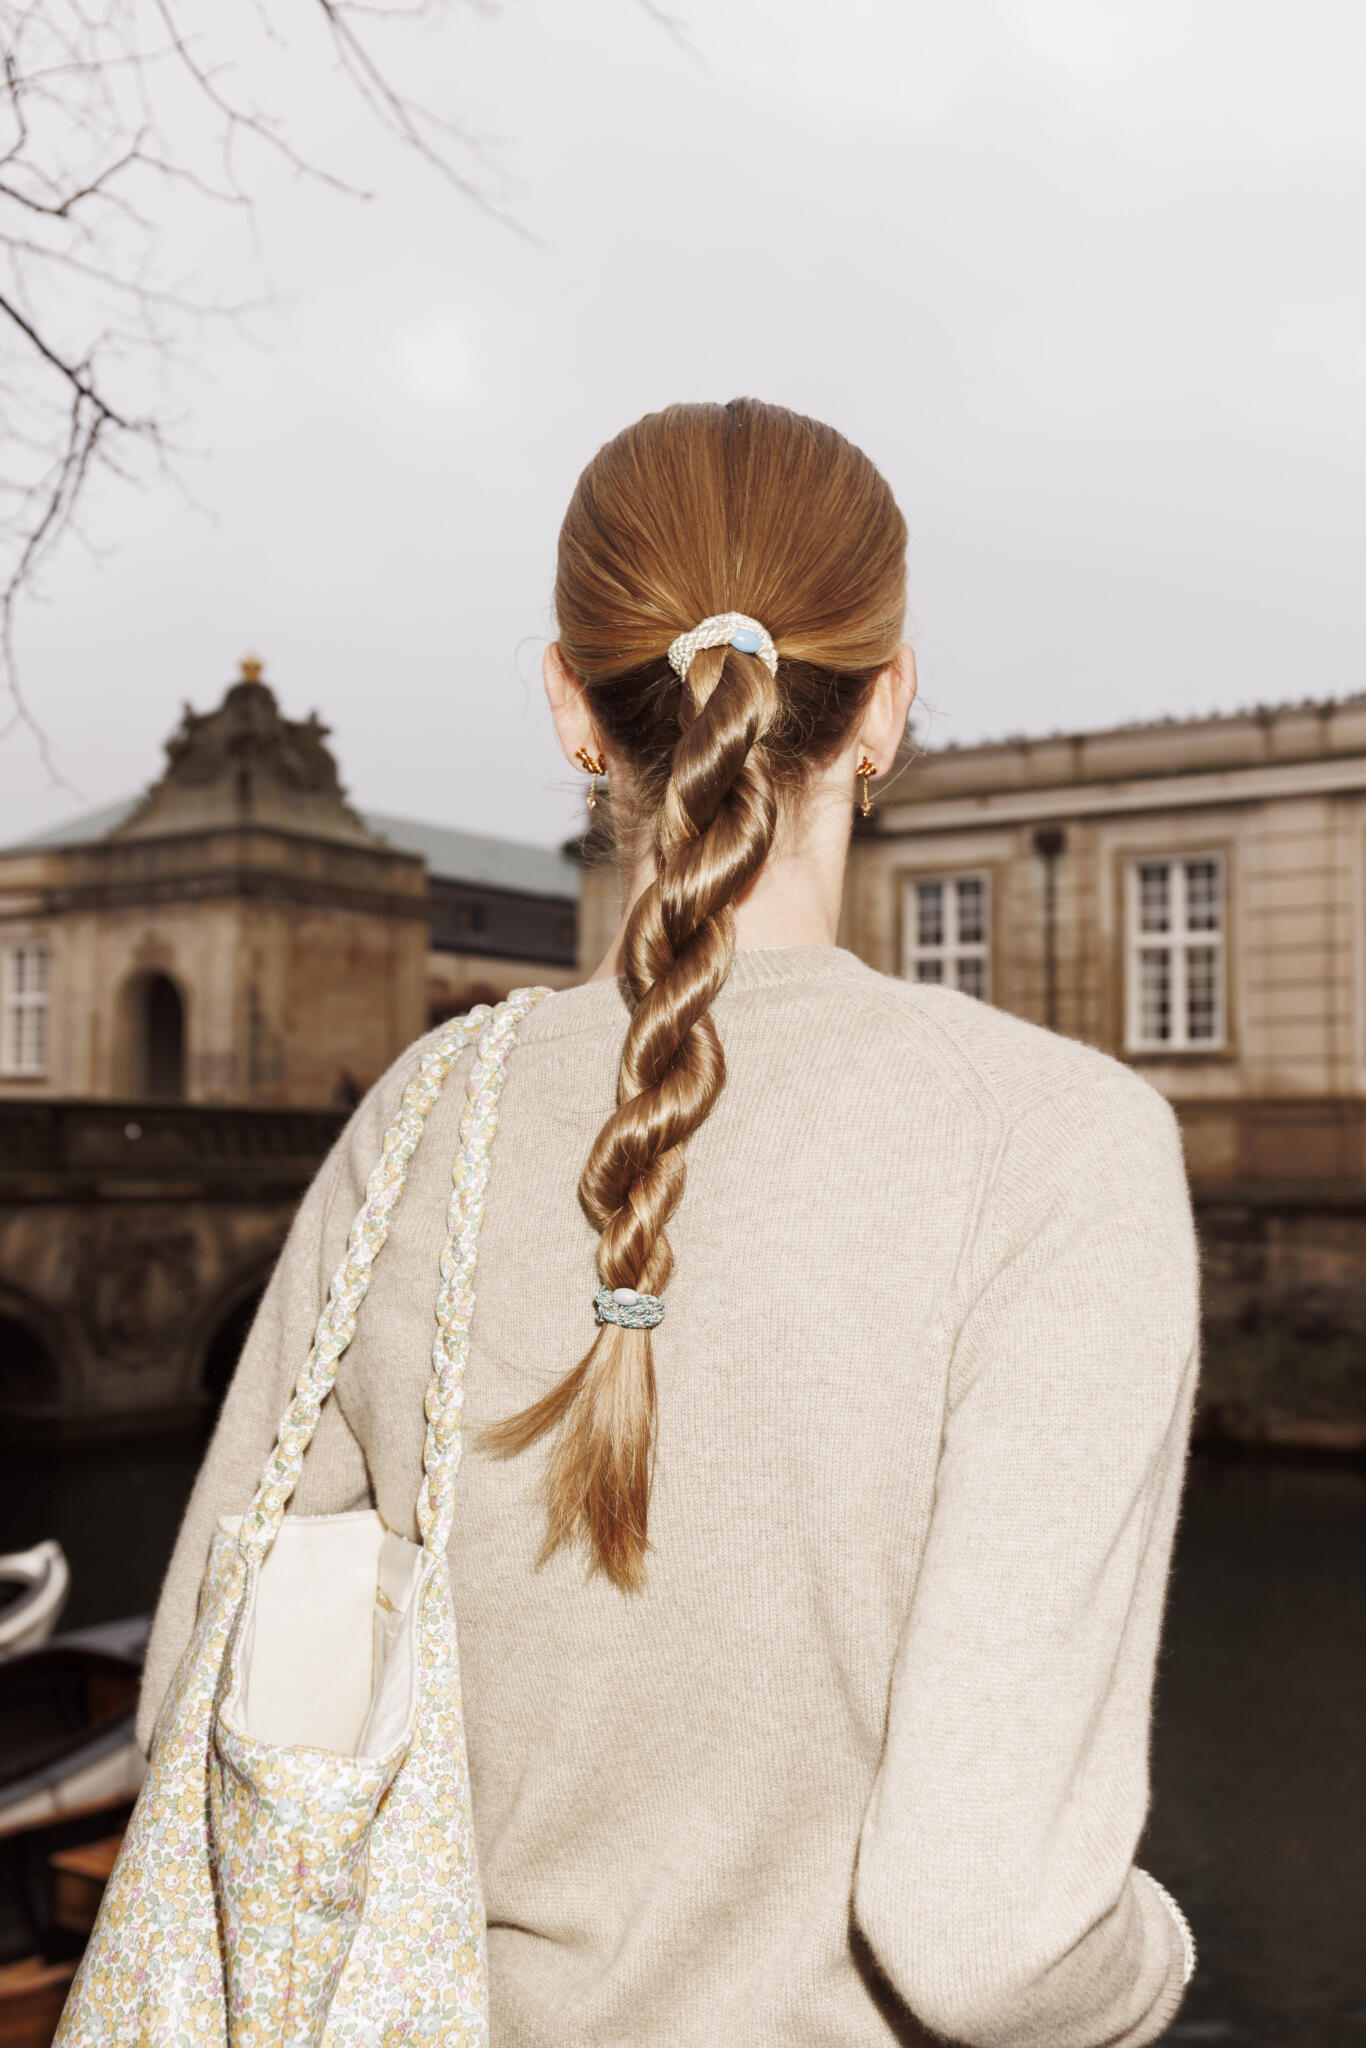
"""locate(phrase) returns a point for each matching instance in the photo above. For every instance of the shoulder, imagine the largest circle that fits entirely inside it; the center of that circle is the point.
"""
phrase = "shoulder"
(382, 1100)
(1015, 1068)
(362, 1137)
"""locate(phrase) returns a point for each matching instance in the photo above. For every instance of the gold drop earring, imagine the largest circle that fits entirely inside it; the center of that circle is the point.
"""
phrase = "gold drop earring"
(863, 771)
(594, 766)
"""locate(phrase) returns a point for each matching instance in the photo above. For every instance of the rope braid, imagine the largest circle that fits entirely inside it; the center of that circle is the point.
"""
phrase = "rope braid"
(713, 833)
(690, 513)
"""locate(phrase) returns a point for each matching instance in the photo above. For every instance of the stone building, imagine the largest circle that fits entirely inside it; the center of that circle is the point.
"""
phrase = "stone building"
(240, 934)
(1190, 896)
(194, 988)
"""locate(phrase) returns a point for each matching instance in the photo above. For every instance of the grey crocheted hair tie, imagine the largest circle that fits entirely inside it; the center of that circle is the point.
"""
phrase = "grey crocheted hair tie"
(630, 1310)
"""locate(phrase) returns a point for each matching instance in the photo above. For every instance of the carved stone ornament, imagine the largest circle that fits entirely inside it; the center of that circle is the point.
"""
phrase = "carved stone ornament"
(247, 764)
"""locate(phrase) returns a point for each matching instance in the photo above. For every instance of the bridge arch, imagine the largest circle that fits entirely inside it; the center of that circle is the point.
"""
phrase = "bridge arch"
(32, 1376)
(226, 1332)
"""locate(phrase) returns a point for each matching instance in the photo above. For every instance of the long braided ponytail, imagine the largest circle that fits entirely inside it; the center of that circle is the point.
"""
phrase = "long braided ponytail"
(697, 510)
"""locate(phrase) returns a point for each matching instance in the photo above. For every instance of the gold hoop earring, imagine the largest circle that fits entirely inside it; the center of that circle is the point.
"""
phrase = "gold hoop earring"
(594, 766)
(863, 771)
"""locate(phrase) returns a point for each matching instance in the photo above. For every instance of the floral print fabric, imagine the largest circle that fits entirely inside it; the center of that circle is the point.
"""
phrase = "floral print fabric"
(290, 1829)
(292, 1896)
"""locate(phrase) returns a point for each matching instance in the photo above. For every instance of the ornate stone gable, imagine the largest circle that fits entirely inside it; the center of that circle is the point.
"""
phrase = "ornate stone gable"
(245, 763)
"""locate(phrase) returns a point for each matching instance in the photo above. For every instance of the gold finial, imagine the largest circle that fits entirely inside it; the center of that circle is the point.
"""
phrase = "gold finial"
(252, 666)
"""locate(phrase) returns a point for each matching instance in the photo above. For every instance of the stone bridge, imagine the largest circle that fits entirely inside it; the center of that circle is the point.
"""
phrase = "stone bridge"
(135, 1239)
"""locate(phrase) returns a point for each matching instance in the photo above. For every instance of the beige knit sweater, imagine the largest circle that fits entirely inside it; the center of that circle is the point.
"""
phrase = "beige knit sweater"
(869, 1754)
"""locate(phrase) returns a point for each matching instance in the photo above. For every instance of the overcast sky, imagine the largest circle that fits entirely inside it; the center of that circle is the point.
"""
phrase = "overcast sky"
(1084, 277)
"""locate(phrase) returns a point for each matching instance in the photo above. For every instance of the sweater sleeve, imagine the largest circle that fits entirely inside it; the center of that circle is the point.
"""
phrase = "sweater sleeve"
(996, 1882)
(334, 1476)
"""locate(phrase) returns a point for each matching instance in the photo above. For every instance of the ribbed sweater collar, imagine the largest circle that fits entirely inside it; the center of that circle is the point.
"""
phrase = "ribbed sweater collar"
(604, 1004)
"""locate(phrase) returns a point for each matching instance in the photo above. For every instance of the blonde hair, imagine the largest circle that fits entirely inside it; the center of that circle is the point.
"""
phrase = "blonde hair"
(696, 510)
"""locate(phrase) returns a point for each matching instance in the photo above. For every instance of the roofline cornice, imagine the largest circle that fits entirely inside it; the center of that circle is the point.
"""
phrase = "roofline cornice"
(1249, 718)
(1343, 775)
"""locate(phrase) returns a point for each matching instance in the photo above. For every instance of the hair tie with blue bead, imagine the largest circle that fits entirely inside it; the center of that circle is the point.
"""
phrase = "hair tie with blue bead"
(726, 629)
(632, 1311)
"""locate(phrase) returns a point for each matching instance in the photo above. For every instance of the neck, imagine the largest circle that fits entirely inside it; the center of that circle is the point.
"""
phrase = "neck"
(795, 898)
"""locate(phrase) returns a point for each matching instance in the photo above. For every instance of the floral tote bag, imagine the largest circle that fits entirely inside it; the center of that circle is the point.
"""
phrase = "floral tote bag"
(299, 1871)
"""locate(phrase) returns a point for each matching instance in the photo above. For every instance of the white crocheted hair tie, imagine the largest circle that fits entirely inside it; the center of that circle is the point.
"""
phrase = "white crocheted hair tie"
(726, 629)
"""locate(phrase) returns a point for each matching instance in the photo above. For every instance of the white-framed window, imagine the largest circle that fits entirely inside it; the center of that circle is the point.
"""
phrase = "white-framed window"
(1175, 956)
(24, 987)
(947, 932)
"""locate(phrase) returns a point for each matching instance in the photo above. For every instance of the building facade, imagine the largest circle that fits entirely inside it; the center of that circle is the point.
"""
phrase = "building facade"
(1189, 896)
(195, 988)
(241, 935)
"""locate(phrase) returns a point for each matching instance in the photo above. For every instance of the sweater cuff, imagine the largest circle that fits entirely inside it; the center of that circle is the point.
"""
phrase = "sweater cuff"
(1183, 1927)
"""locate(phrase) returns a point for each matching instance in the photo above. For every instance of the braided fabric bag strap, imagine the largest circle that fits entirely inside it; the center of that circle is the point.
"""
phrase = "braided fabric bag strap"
(350, 1283)
(455, 1299)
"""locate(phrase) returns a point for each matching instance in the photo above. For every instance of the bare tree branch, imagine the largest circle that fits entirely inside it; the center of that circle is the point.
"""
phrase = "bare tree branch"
(673, 25)
(76, 374)
(107, 108)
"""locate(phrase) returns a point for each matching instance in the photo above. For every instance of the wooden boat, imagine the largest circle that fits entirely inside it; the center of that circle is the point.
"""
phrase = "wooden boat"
(66, 1724)
(32, 1994)
(33, 1589)
(69, 1770)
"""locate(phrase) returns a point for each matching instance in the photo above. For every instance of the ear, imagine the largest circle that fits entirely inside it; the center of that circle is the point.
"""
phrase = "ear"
(888, 708)
(568, 706)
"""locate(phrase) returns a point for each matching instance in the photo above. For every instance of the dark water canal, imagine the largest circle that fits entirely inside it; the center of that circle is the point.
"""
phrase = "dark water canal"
(1259, 1768)
(1259, 1811)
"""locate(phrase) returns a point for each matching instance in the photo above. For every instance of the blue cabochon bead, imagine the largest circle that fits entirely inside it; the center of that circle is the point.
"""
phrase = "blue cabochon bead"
(746, 641)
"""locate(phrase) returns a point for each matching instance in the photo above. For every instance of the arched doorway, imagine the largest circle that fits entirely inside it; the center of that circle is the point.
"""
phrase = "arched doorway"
(156, 1017)
(30, 1378)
